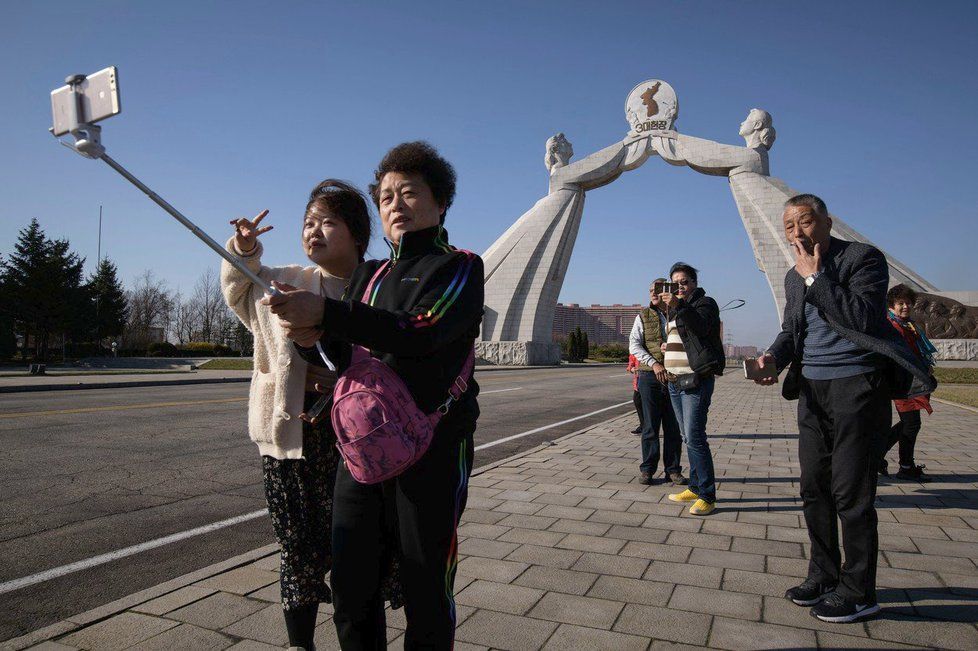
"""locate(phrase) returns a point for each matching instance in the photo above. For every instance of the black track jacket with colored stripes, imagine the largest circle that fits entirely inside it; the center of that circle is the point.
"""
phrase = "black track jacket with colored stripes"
(422, 320)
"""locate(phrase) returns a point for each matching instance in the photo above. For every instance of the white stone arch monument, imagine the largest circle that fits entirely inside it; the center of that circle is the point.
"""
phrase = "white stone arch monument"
(525, 267)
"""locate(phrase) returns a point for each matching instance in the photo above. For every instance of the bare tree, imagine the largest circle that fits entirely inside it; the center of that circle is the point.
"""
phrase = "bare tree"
(186, 321)
(150, 308)
(211, 310)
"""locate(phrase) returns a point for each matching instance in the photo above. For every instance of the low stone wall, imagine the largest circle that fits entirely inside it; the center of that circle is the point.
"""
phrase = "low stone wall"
(518, 353)
(956, 349)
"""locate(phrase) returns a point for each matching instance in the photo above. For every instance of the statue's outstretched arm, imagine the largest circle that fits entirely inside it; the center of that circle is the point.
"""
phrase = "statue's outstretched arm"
(605, 165)
(703, 155)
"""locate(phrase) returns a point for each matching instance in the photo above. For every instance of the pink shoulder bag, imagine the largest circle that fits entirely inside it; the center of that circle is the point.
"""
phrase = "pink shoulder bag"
(380, 430)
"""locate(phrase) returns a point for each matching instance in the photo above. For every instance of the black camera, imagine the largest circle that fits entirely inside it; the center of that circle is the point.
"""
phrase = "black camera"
(665, 288)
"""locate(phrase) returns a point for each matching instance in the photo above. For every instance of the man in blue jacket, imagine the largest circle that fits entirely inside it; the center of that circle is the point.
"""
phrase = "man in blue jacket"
(844, 366)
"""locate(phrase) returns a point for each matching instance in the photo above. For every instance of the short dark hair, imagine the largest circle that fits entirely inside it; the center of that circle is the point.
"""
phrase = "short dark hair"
(689, 270)
(418, 157)
(810, 200)
(345, 201)
(898, 292)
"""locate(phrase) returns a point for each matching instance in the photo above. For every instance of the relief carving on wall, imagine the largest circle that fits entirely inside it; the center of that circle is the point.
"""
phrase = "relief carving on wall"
(945, 318)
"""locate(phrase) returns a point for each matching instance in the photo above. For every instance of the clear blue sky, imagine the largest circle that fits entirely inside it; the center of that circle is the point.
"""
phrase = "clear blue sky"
(232, 107)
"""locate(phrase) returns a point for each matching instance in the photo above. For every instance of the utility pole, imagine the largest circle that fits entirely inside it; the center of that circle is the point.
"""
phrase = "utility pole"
(98, 263)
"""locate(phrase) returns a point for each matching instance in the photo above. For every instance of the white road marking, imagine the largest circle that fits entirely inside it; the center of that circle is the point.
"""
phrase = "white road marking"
(482, 393)
(101, 559)
(78, 566)
(546, 427)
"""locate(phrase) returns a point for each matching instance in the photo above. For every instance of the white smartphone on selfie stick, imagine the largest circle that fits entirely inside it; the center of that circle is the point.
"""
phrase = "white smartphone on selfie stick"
(86, 99)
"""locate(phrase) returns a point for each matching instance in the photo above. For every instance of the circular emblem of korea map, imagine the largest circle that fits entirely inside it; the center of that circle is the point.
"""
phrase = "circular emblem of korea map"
(651, 106)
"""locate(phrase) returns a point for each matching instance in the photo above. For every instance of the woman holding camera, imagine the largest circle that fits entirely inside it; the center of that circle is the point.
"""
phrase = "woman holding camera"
(421, 319)
(298, 459)
(694, 357)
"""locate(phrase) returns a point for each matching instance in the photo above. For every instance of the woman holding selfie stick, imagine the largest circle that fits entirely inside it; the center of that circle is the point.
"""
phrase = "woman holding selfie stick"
(420, 318)
(299, 459)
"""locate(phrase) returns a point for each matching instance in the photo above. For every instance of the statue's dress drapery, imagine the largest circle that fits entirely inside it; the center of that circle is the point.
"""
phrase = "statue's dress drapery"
(525, 267)
(760, 200)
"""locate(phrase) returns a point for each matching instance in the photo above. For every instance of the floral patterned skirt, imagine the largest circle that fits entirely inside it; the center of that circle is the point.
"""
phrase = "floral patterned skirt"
(299, 493)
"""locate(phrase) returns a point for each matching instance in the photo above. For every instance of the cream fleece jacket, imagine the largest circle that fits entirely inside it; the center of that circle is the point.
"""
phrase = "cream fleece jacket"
(278, 382)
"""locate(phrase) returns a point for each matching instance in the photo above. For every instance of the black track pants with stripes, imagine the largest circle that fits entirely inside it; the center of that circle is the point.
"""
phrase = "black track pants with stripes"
(418, 513)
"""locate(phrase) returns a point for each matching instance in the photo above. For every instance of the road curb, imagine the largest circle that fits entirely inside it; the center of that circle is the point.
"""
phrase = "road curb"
(27, 388)
(95, 615)
(89, 617)
(954, 404)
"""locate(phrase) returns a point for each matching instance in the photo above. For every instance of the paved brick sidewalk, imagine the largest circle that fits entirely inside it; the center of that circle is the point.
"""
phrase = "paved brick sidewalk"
(563, 549)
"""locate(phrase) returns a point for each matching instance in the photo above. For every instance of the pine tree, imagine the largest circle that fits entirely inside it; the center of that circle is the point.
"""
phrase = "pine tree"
(22, 274)
(572, 346)
(8, 340)
(109, 302)
(44, 290)
(578, 343)
(585, 347)
(71, 309)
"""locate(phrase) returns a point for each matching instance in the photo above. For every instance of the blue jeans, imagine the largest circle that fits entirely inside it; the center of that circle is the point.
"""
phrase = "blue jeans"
(657, 413)
(691, 407)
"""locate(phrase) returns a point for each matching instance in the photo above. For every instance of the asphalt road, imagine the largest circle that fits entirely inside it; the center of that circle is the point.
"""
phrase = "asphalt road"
(84, 473)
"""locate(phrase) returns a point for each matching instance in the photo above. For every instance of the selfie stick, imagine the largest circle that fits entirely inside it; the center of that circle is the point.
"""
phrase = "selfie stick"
(88, 143)
(733, 305)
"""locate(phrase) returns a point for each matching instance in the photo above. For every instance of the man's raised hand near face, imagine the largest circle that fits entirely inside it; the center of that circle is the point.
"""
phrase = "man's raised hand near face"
(807, 263)
(808, 231)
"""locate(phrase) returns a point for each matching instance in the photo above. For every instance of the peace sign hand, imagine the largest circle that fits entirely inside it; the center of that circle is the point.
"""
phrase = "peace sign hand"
(246, 232)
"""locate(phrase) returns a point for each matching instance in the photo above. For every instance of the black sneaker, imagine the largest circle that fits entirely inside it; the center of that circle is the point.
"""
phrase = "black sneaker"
(884, 468)
(637, 430)
(809, 593)
(836, 609)
(913, 473)
(677, 479)
(646, 479)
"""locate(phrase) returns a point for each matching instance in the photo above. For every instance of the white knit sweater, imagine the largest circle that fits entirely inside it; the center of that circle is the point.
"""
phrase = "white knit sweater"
(278, 382)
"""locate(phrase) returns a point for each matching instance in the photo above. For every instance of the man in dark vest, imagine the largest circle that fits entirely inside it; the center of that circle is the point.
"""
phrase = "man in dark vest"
(645, 343)
(844, 365)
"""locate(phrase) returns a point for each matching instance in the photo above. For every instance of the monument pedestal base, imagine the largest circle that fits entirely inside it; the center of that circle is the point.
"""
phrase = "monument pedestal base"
(956, 349)
(518, 353)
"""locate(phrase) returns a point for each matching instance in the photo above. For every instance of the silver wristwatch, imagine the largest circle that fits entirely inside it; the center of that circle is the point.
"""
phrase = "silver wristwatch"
(811, 278)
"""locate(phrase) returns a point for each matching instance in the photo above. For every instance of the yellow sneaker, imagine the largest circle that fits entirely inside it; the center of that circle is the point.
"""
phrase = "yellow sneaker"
(702, 507)
(686, 496)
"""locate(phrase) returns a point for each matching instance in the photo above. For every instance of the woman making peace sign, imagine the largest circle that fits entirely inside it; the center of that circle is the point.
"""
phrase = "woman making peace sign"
(299, 459)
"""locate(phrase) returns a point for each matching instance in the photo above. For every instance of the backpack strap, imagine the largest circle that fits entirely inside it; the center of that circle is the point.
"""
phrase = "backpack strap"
(461, 383)
(459, 386)
(359, 352)
(370, 286)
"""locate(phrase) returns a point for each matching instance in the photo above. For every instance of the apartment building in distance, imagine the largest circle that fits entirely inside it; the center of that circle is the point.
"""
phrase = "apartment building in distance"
(604, 324)
(740, 352)
(607, 324)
